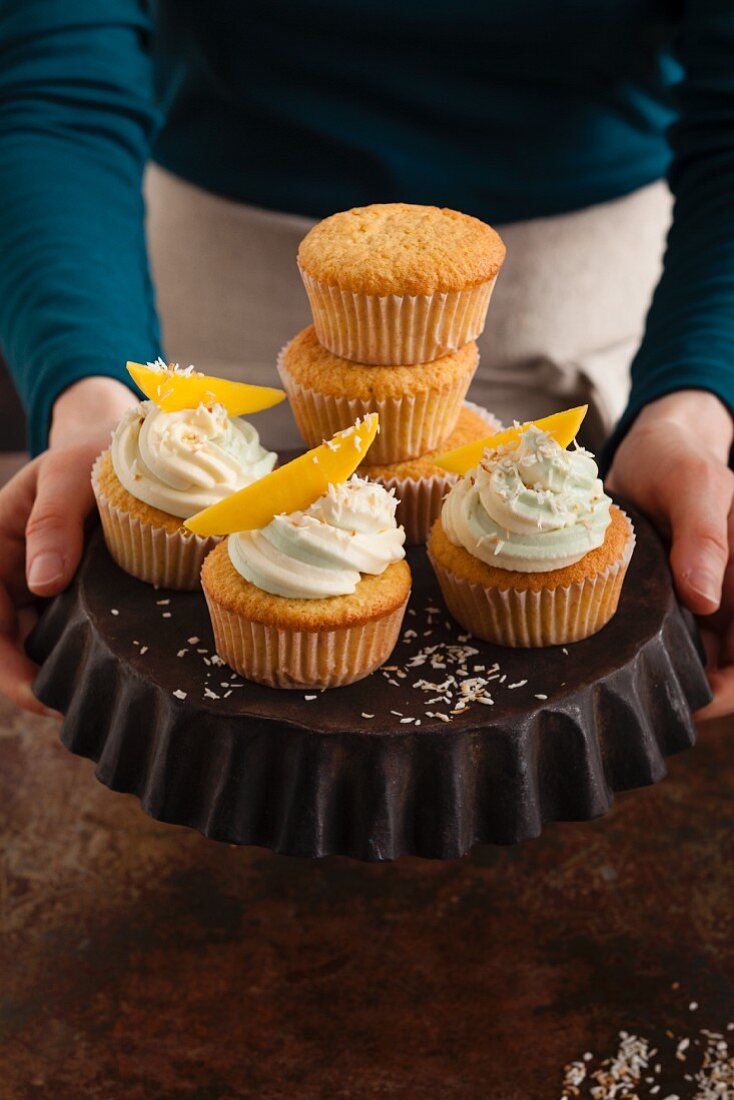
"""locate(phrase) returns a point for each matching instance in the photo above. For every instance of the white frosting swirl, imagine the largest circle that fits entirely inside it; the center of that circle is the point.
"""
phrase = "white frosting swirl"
(530, 506)
(184, 461)
(323, 551)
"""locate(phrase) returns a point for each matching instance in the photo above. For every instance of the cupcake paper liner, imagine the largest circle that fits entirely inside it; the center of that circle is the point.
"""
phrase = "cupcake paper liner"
(409, 425)
(548, 617)
(396, 328)
(420, 499)
(150, 553)
(284, 658)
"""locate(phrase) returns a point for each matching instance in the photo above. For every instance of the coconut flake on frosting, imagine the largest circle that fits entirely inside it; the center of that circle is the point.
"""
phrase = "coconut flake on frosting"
(182, 462)
(530, 506)
(324, 550)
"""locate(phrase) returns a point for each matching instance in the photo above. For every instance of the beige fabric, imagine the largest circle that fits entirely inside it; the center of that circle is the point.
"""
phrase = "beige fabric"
(565, 319)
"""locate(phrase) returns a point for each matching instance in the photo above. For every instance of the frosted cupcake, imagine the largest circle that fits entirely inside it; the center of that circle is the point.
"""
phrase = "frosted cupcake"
(399, 283)
(419, 484)
(418, 405)
(529, 550)
(162, 468)
(316, 598)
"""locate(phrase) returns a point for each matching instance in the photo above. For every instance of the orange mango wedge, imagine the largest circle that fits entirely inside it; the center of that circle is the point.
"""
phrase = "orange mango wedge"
(562, 426)
(174, 390)
(290, 488)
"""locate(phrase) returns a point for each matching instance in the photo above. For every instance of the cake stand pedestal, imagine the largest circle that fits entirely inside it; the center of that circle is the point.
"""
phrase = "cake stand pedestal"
(388, 766)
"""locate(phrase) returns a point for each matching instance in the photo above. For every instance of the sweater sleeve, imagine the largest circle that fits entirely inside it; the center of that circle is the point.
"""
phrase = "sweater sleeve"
(77, 118)
(689, 334)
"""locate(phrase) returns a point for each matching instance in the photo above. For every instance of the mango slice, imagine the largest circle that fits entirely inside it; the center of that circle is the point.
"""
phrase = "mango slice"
(175, 390)
(562, 426)
(292, 487)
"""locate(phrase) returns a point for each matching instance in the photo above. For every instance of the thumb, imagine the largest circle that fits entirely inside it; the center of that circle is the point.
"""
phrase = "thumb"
(55, 528)
(698, 501)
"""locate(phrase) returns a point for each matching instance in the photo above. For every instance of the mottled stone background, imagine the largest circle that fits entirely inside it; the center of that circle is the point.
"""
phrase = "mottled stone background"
(139, 960)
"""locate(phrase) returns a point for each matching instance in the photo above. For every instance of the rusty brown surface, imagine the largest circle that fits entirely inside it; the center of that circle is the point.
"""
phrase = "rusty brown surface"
(139, 960)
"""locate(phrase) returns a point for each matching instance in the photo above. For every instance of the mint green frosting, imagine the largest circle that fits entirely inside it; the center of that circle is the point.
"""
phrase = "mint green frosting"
(530, 506)
(324, 550)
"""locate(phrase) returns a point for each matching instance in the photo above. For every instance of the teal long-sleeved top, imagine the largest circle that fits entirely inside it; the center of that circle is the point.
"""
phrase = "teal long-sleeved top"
(504, 110)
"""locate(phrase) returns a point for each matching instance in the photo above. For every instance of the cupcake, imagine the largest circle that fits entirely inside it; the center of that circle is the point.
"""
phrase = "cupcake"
(418, 405)
(399, 283)
(419, 484)
(316, 598)
(528, 549)
(162, 468)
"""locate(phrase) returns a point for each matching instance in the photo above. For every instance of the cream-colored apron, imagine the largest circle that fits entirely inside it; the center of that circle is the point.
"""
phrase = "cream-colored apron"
(564, 322)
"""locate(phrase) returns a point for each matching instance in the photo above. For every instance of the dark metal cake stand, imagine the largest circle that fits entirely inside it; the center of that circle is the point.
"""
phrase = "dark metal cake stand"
(371, 770)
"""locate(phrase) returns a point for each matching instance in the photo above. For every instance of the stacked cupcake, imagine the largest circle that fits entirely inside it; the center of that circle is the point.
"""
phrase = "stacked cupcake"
(399, 294)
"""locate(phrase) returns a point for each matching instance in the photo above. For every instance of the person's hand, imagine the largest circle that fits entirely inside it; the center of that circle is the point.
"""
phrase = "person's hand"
(673, 464)
(42, 514)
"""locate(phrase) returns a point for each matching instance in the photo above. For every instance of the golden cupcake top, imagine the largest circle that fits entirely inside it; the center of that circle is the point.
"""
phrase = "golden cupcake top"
(402, 249)
(314, 367)
(373, 598)
(468, 567)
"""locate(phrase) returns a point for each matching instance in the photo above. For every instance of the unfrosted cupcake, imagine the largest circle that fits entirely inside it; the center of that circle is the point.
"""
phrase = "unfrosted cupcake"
(528, 550)
(399, 283)
(419, 484)
(316, 598)
(162, 468)
(418, 405)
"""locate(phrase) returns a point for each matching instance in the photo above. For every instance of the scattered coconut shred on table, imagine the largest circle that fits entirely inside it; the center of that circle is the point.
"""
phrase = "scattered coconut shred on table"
(695, 1067)
(461, 682)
